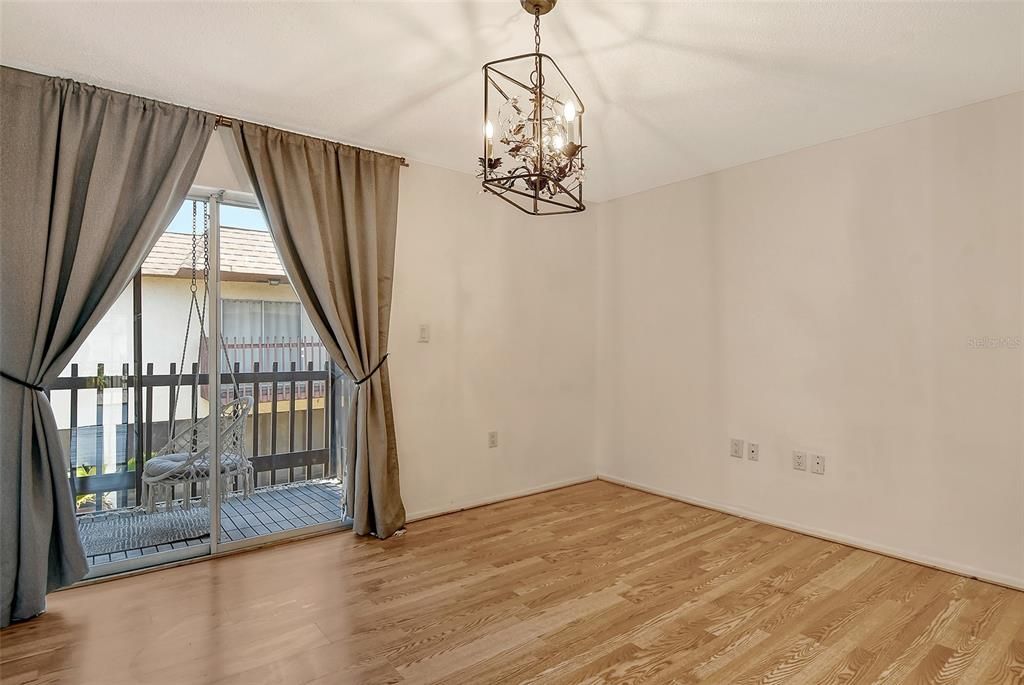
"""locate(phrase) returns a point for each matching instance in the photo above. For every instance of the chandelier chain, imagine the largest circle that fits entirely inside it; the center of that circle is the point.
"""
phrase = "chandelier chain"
(536, 30)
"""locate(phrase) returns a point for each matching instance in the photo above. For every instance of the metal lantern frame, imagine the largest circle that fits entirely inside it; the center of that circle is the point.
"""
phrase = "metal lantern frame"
(497, 77)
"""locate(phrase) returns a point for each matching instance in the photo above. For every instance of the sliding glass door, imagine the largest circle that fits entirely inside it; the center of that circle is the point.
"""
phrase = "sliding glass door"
(274, 360)
(166, 465)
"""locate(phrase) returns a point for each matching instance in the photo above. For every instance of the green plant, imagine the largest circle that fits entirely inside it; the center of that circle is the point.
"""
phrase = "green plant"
(100, 381)
(81, 472)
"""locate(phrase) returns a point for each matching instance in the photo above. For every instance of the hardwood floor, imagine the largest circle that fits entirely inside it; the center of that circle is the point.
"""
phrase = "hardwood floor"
(594, 583)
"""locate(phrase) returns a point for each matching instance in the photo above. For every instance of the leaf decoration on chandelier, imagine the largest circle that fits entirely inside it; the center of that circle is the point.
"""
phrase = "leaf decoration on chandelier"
(572, 149)
(490, 164)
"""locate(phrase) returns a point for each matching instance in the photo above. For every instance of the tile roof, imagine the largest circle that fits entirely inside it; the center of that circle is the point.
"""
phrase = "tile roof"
(245, 255)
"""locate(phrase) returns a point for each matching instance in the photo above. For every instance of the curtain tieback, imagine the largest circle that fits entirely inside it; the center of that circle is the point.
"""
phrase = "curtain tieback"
(24, 384)
(375, 369)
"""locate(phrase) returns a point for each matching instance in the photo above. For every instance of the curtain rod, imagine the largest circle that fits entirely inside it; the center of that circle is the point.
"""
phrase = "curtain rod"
(228, 122)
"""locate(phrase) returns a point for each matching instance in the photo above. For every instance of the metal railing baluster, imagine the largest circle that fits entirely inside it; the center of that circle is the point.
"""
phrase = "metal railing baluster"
(97, 454)
(73, 443)
(291, 420)
(256, 401)
(273, 428)
(149, 420)
(122, 495)
(309, 418)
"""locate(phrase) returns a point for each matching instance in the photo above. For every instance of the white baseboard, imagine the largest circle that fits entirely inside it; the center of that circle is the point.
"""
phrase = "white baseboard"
(913, 557)
(472, 504)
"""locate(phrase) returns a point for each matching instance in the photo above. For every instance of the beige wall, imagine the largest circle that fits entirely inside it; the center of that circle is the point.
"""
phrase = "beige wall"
(509, 300)
(832, 299)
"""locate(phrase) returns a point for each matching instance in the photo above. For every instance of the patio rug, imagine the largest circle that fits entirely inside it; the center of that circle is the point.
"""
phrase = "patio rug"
(119, 531)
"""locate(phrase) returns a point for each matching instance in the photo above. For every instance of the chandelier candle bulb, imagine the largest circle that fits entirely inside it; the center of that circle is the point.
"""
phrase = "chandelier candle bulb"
(533, 133)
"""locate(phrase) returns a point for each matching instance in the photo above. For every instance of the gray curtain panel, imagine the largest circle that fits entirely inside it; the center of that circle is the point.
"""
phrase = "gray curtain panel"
(333, 212)
(89, 179)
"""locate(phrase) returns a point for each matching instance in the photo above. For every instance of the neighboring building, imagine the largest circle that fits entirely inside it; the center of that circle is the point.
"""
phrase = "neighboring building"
(262, 321)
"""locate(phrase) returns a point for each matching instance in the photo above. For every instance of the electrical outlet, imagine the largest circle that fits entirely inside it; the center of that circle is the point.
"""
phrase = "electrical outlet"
(818, 464)
(424, 333)
(492, 439)
(799, 460)
(736, 448)
(753, 451)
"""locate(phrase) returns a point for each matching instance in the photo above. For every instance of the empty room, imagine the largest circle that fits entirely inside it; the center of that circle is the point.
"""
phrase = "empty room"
(530, 341)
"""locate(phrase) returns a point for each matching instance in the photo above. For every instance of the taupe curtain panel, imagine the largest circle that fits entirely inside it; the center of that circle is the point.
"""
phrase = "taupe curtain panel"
(333, 212)
(89, 178)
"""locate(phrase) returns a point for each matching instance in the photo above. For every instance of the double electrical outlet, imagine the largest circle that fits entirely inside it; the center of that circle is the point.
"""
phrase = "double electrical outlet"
(738, 448)
(817, 461)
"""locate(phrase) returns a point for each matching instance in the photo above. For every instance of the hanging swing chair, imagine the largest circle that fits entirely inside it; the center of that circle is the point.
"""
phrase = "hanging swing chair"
(185, 459)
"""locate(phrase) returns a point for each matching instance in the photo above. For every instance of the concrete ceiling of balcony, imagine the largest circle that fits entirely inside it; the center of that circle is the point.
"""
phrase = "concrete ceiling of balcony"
(672, 89)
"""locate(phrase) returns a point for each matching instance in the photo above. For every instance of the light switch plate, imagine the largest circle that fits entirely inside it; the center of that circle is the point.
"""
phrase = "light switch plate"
(424, 333)
(492, 439)
(736, 448)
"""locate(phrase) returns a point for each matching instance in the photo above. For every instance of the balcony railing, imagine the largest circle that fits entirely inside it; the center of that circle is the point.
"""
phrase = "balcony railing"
(249, 354)
(288, 433)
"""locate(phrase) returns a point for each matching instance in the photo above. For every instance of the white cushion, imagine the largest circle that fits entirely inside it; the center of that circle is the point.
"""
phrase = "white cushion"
(159, 466)
(167, 463)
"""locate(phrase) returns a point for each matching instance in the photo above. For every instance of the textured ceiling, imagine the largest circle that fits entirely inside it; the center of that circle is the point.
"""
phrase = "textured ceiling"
(672, 89)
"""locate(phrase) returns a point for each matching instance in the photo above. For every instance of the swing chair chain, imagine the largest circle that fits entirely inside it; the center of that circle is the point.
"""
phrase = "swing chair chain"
(206, 246)
(193, 287)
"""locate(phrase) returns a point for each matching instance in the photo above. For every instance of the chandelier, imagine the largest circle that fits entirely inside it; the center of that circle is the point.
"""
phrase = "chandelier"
(532, 130)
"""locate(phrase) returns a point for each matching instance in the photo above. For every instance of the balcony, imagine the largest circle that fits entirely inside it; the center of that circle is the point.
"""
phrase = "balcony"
(288, 436)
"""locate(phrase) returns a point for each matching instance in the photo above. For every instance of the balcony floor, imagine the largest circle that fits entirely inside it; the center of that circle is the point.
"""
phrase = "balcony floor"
(268, 510)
